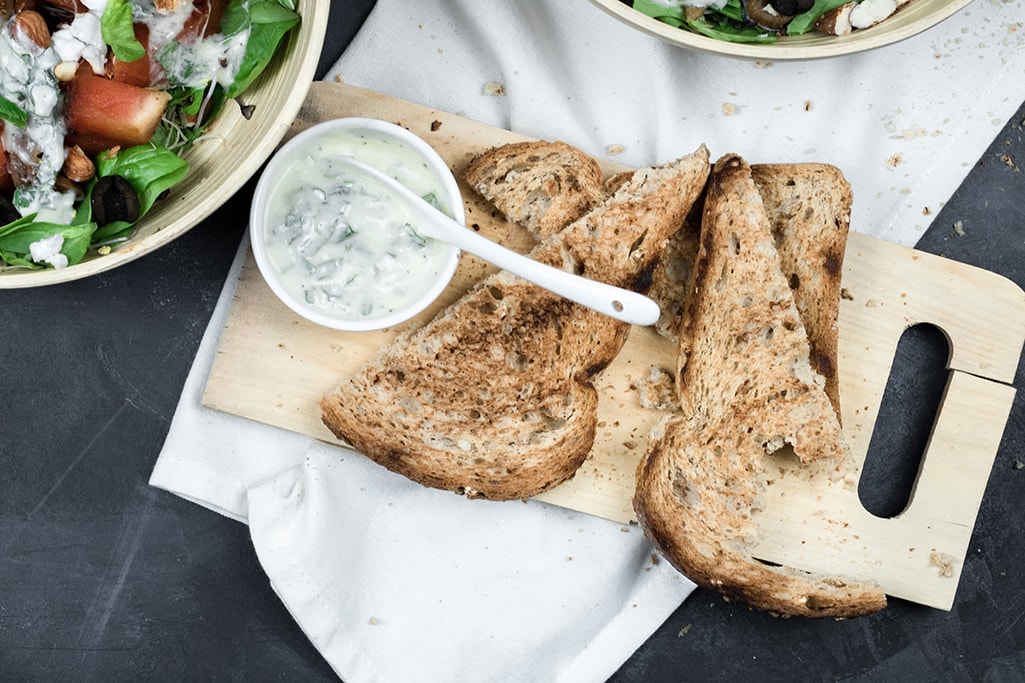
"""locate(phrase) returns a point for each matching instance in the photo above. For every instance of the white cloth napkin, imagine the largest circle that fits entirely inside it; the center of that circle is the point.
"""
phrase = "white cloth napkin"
(394, 582)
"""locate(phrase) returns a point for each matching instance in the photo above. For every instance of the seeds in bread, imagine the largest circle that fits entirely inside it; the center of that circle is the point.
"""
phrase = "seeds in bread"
(540, 185)
(494, 398)
(809, 209)
(747, 389)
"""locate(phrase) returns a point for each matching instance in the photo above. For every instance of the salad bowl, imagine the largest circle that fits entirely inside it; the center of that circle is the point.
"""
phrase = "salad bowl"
(231, 151)
(910, 19)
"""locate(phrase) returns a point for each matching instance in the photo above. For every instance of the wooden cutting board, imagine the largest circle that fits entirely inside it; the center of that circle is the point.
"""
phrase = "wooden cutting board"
(273, 367)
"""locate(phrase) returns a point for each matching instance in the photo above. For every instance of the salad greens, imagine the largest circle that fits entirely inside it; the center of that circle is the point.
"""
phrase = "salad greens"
(118, 32)
(730, 23)
(12, 113)
(268, 22)
(259, 26)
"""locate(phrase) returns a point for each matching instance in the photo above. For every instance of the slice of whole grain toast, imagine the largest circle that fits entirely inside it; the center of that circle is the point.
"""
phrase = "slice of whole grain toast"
(542, 186)
(809, 208)
(747, 388)
(494, 398)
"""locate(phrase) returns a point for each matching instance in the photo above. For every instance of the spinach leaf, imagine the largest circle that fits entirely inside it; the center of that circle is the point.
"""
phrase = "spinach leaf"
(674, 16)
(118, 32)
(149, 170)
(268, 21)
(726, 23)
(11, 112)
(729, 31)
(804, 22)
(15, 243)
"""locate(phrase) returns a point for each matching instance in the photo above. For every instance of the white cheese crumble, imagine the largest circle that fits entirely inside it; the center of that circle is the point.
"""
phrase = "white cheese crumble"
(83, 39)
(870, 12)
(48, 250)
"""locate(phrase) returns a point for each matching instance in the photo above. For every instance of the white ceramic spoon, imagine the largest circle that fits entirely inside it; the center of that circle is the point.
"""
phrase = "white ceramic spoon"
(617, 302)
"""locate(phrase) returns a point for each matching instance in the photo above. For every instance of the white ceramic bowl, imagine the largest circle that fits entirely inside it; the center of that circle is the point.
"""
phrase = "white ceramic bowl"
(232, 151)
(342, 134)
(909, 19)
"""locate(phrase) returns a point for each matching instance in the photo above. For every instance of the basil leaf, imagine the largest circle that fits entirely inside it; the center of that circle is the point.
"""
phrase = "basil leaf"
(15, 244)
(11, 112)
(805, 21)
(18, 260)
(674, 16)
(118, 32)
(17, 224)
(731, 33)
(269, 21)
(149, 170)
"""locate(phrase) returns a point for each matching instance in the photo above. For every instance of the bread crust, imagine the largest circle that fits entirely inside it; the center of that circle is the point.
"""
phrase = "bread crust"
(747, 389)
(494, 398)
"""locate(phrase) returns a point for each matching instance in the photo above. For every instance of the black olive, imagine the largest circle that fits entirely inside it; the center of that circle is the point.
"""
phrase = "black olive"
(788, 7)
(759, 12)
(8, 214)
(114, 199)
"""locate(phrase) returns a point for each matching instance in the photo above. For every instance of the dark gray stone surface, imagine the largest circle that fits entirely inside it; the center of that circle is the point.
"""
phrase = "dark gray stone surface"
(103, 578)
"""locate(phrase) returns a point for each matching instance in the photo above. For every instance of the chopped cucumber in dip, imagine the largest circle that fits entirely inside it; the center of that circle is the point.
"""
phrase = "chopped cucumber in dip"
(116, 88)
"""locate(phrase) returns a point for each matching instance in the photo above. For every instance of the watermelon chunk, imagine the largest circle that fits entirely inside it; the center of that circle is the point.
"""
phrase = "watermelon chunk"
(101, 113)
(6, 182)
(143, 72)
(204, 21)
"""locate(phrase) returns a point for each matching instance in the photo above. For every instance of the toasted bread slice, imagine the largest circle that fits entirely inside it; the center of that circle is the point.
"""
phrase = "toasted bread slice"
(494, 397)
(809, 209)
(747, 389)
(672, 276)
(540, 185)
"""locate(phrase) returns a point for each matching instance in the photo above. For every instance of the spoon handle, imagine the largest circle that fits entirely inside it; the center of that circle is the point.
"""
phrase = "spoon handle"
(617, 302)
(613, 301)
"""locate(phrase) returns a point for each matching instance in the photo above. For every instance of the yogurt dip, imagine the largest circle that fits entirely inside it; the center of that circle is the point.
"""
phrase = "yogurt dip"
(331, 240)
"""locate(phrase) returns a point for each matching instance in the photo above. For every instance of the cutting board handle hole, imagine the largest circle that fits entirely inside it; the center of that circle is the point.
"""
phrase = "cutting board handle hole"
(910, 404)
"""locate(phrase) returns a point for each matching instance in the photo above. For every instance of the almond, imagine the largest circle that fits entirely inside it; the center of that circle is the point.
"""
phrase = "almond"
(836, 22)
(77, 166)
(30, 25)
(65, 71)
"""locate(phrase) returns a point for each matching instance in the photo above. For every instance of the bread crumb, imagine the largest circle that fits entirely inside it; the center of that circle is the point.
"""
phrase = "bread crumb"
(895, 160)
(372, 621)
(435, 125)
(493, 88)
(657, 390)
(959, 229)
(615, 149)
(944, 562)
(808, 105)
(729, 109)
(685, 630)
